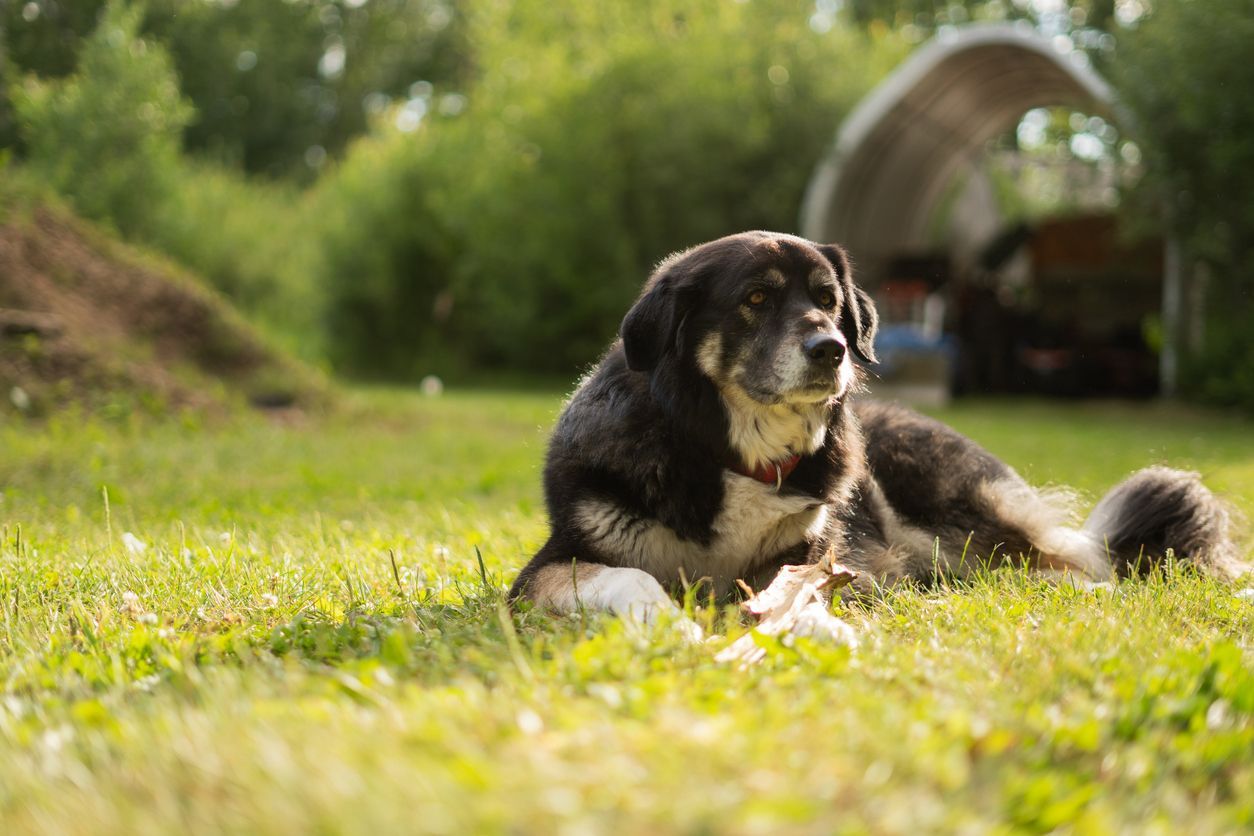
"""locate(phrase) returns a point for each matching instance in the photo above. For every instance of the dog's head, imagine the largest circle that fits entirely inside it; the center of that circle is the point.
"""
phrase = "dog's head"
(766, 316)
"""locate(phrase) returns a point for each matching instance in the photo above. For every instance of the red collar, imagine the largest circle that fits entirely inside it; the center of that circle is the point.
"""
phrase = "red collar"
(772, 473)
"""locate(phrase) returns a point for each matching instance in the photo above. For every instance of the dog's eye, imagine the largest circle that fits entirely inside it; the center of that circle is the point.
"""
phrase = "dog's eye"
(826, 299)
(756, 298)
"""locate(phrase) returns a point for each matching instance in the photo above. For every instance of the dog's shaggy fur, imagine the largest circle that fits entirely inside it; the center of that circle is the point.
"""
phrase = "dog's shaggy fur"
(716, 442)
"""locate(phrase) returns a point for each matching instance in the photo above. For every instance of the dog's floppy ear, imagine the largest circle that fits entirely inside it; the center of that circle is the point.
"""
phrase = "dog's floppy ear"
(859, 320)
(654, 324)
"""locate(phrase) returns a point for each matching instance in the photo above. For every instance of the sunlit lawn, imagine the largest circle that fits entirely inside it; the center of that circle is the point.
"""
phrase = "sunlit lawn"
(253, 626)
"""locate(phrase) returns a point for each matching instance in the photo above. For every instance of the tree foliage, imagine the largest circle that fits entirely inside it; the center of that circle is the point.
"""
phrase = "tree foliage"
(495, 178)
(108, 136)
(598, 138)
(274, 84)
(279, 86)
(929, 14)
(1185, 74)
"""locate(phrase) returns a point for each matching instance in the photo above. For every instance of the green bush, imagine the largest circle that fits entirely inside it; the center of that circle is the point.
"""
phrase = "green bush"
(387, 260)
(1185, 74)
(597, 139)
(108, 136)
(515, 225)
(253, 69)
(256, 241)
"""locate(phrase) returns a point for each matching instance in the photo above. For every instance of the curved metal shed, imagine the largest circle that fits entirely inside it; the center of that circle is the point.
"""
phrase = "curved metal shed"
(894, 155)
(896, 152)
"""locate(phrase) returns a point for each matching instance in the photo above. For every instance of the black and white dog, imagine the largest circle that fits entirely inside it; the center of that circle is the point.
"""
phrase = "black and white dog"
(715, 442)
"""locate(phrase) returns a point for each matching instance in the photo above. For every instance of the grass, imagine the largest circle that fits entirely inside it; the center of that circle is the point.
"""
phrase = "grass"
(288, 628)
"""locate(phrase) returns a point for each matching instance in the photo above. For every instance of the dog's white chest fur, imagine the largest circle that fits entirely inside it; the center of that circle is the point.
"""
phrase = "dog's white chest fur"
(755, 523)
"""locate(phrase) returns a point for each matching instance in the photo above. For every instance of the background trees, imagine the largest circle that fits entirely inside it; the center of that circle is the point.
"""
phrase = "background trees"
(406, 185)
(269, 81)
(596, 140)
(108, 135)
(1187, 77)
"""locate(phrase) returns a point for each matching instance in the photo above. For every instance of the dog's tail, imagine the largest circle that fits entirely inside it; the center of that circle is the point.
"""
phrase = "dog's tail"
(1160, 509)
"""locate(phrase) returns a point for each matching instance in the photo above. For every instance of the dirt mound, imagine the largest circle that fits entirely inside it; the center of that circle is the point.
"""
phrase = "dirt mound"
(84, 319)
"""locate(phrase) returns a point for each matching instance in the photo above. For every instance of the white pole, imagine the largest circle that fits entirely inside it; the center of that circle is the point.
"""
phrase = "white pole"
(1173, 298)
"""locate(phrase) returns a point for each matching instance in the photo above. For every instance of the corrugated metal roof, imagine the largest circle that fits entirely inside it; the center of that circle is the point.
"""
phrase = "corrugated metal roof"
(896, 152)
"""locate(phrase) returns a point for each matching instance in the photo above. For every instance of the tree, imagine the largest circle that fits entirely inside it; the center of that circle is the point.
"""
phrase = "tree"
(597, 139)
(276, 85)
(107, 137)
(1185, 74)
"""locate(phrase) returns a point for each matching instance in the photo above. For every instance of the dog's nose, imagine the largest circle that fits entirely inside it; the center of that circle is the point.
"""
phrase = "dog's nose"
(824, 348)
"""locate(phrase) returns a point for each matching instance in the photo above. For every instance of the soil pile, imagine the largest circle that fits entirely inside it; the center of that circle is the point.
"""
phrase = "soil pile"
(84, 319)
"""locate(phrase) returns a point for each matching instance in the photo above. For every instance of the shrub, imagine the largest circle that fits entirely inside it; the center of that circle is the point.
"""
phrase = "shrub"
(387, 260)
(108, 136)
(598, 139)
(1185, 75)
(256, 241)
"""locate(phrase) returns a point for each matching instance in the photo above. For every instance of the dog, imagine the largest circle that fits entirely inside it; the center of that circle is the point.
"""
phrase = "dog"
(717, 441)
